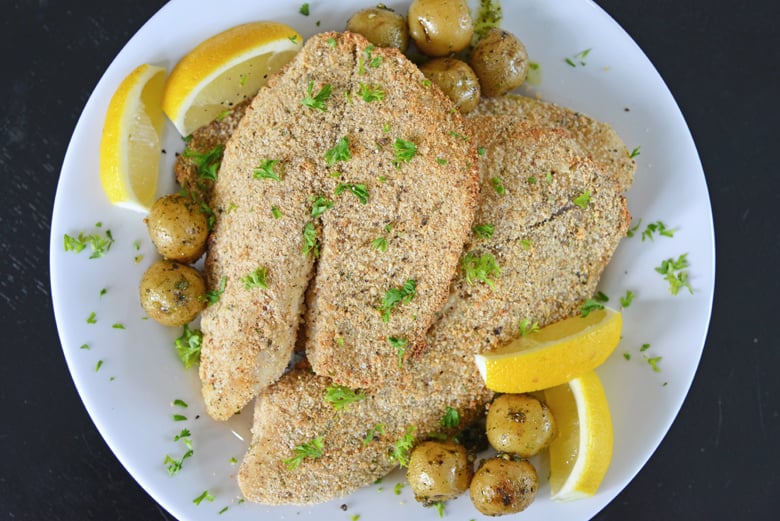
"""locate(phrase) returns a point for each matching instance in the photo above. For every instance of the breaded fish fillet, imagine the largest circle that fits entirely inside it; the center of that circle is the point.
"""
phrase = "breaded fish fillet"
(551, 252)
(347, 159)
(598, 139)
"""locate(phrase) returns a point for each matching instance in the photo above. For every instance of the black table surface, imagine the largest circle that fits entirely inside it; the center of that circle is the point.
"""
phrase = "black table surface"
(721, 61)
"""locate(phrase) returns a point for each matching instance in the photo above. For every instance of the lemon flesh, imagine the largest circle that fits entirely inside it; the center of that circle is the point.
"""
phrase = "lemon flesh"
(225, 70)
(130, 143)
(553, 355)
(581, 453)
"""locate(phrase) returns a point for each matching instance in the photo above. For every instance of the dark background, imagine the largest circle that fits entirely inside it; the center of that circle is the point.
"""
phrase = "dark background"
(721, 60)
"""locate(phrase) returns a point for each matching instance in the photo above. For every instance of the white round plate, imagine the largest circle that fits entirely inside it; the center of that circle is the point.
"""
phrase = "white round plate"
(131, 396)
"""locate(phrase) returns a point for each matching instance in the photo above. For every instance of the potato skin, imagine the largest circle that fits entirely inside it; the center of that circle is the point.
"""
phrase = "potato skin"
(172, 293)
(500, 62)
(503, 485)
(381, 26)
(438, 471)
(178, 228)
(440, 27)
(520, 424)
(455, 79)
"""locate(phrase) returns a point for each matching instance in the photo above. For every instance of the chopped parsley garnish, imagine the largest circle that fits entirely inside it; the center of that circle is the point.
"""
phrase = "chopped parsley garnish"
(340, 396)
(583, 199)
(399, 344)
(404, 151)
(188, 346)
(631, 231)
(205, 496)
(644, 348)
(98, 243)
(212, 296)
(380, 243)
(179, 418)
(450, 419)
(441, 160)
(211, 218)
(593, 304)
(458, 135)
(92, 318)
(137, 245)
(497, 185)
(527, 327)
(634, 153)
(395, 296)
(367, 59)
(222, 115)
(317, 101)
(206, 163)
(578, 58)
(398, 488)
(488, 17)
(526, 244)
(426, 82)
(84, 346)
(319, 206)
(175, 465)
(331, 42)
(627, 355)
(657, 227)
(401, 448)
(276, 212)
(371, 93)
(480, 267)
(339, 152)
(256, 279)
(224, 509)
(373, 433)
(98, 365)
(311, 450)
(180, 403)
(439, 506)
(310, 241)
(266, 170)
(481, 151)
(117, 325)
(359, 190)
(654, 361)
(675, 274)
(304, 10)
(484, 231)
(627, 299)
(293, 38)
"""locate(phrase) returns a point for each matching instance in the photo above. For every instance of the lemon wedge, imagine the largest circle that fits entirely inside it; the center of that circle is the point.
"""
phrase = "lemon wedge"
(130, 144)
(225, 70)
(553, 355)
(581, 453)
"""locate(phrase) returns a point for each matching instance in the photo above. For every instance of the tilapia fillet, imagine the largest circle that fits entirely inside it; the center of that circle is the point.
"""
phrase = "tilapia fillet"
(348, 161)
(551, 253)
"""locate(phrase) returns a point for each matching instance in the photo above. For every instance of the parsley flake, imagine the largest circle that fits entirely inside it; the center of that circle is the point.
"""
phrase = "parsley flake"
(276, 212)
(266, 170)
(401, 448)
(212, 296)
(373, 433)
(205, 496)
(450, 419)
(627, 299)
(180, 403)
(654, 361)
(320, 206)
(311, 243)
(256, 279)
(311, 450)
(98, 365)
(497, 185)
(439, 506)
(117, 325)
(527, 327)
(631, 231)
(480, 267)
(339, 152)
(404, 151)
(583, 199)
(371, 93)
(395, 296)
(304, 10)
(206, 163)
(174, 465)
(188, 346)
(92, 318)
(578, 58)
(318, 100)
(380, 243)
(331, 42)
(340, 396)
(358, 190)
(399, 344)
(593, 304)
(99, 244)
(675, 273)
(484, 231)
(634, 153)
(657, 227)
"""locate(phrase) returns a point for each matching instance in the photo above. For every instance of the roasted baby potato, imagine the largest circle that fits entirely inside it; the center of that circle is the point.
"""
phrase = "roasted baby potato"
(440, 27)
(172, 293)
(178, 228)
(381, 26)
(500, 62)
(438, 471)
(456, 79)
(503, 485)
(520, 424)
